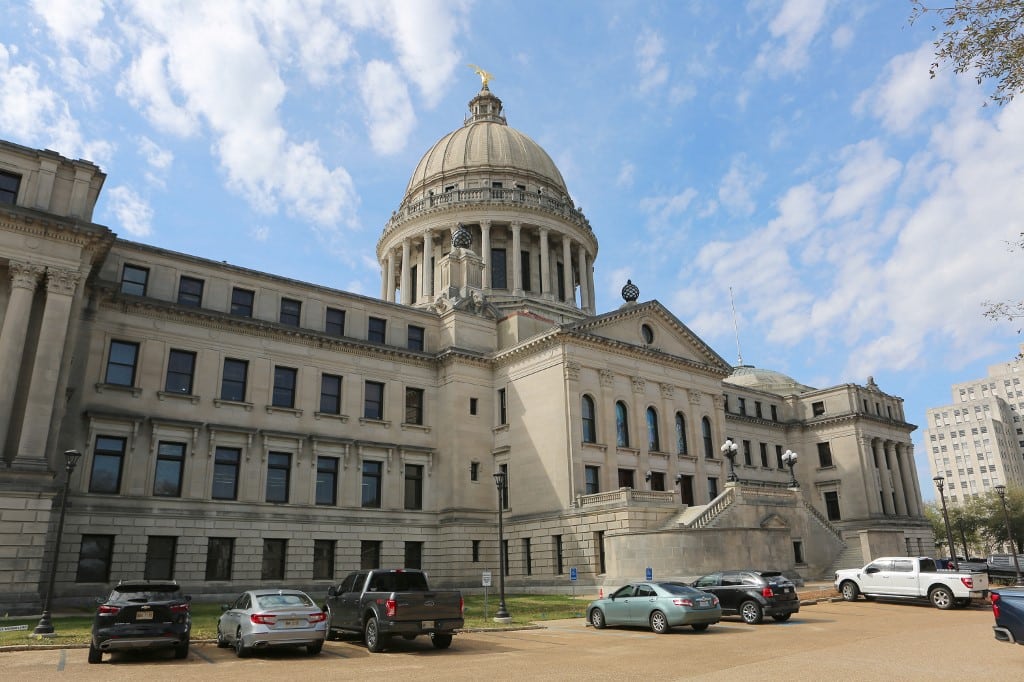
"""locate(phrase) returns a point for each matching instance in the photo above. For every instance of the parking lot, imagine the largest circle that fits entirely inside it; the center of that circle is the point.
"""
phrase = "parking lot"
(835, 640)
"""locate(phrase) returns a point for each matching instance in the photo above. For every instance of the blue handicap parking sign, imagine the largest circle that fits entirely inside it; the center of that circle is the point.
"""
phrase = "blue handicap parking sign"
(650, 574)
(572, 573)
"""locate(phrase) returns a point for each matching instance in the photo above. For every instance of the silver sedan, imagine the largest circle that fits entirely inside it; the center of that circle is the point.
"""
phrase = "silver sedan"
(260, 619)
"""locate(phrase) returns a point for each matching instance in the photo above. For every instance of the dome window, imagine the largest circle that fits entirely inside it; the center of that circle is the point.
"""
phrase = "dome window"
(647, 333)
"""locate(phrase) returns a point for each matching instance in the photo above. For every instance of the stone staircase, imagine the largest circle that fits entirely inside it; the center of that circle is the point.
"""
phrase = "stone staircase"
(701, 515)
(850, 557)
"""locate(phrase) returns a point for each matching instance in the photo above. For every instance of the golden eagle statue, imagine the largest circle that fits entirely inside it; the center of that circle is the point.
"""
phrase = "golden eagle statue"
(485, 77)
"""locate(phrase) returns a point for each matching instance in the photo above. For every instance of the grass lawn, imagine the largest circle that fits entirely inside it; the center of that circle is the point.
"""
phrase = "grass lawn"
(524, 609)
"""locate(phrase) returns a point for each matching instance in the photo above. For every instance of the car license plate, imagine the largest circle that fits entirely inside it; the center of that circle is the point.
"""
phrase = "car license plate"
(291, 622)
(703, 602)
(144, 615)
(428, 624)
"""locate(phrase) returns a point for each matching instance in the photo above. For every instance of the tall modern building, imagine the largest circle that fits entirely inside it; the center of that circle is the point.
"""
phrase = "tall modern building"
(241, 429)
(977, 442)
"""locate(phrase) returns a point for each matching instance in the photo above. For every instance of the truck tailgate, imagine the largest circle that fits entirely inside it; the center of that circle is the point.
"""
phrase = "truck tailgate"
(427, 606)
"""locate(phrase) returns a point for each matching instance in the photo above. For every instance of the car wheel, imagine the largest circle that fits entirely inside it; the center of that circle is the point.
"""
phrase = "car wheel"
(314, 649)
(751, 612)
(181, 651)
(222, 641)
(781, 617)
(659, 623)
(371, 635)
(441, 641)
(240, 649)
(699, 627)
(597, 618)
(849, 590)
(941, 598)
(95, 655)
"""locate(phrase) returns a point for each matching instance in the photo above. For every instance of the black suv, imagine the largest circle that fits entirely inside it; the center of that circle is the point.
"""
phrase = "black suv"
(752, 594)
(142, 614)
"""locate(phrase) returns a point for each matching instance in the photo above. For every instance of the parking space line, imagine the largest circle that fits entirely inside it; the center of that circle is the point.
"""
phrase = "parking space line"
(201, 655)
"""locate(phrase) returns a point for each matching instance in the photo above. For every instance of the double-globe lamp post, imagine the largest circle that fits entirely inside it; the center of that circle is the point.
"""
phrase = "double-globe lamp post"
(939, 484)
(789, 458)
(1001, 491)
(501, 480)
(45, 625)
(729, 449)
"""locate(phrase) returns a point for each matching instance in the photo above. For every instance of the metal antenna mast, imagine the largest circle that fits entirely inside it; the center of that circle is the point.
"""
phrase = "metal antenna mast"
(736, 327)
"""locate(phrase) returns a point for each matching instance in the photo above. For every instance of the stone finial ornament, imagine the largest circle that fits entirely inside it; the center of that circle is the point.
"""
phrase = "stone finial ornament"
(461, 238)
(630, 292)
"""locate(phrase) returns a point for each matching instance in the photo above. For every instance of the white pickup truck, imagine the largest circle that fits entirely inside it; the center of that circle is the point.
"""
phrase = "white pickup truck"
(911, 578)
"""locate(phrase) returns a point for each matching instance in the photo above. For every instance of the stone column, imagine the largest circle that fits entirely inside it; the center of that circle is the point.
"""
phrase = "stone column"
(593, 294)
(605, 413)
(426, 272)
(897, 478)
(405, 287)
(584, 283)
(545, 266)
(570, 292)
(485, 252)
(517, 259)
(24, 278)
(913, 486)
(390, 297)
(867, 465)
(883, 475)
(384, 279)
(906, 476)
(35, 431)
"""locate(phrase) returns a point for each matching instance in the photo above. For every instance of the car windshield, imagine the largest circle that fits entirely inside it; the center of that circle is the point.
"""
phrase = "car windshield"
(677, 589)
(141, 596)
(284, 600)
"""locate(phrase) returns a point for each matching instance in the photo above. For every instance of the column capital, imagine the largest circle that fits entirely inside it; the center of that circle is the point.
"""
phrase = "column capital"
(485, 224)
(62, 281)
(516, 224)
(25, 275)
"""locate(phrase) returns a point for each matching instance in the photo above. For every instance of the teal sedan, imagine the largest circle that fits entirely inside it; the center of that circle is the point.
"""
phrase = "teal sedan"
(659, 606)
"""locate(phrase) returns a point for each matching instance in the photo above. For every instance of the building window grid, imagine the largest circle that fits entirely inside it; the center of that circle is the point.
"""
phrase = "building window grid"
(589, 420)
(330, 394)
(414, 406)
(219, 558)
(415, 337)
(134, 280)
(107, 465)
(377, 329)
(225, 473)
(279, 466)
(234, 382)
(371, 485)
(323, 559)
(242, 302)
(160, 553)
(373, 400)
(181, 367)
(334, 323)
(170, 465)
(94, 557)
(275, 555)
(327, 481)
(413, 486)
(290, 312)
(190, 291)
(284, 387)
(121, 363)
(9, 184)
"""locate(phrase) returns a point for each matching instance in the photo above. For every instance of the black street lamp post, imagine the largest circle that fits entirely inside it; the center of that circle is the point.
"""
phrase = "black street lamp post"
(939, 481)
(501, 480)
(1001, 491)
(45, 625)
(789, 458)
(729, 449)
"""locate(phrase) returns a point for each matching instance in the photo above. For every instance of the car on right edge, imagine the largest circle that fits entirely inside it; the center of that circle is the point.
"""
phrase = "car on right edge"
(1008, 608)
(752, 594)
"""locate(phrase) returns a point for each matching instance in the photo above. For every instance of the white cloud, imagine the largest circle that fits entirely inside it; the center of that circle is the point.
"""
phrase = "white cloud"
(793, 30)
(75, 22)
(661, 210)
(735, 192)
(156, 156)
(842, 37)
(133, 213)
(627, 173)
(260, 233)
(424, 35)
(904, 91)
(866, 173)
(389, 111)
(650, 50)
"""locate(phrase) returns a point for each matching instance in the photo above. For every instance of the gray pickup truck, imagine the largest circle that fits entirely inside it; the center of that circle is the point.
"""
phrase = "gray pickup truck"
(381, 603)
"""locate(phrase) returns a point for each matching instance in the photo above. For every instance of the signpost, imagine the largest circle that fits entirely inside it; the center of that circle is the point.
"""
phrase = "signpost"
(486, 582)
(649, 576)
(572, 580)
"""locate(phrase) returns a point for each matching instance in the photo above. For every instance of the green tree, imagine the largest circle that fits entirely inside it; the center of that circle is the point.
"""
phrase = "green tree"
(995, 524)
(1007, 310)
(983, 36)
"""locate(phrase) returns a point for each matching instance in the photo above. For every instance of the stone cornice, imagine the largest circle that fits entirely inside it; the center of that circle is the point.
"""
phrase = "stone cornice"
(91, 237)
(759, 421)
(833, 420)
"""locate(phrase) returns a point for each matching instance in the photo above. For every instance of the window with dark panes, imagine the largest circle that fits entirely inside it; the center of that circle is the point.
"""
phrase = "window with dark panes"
(476, 551)
(472, 406)
(373, 400)
(474, 471)
(499, 278)
(413, 486)
(275, 553)
(279, 468)
(233, 383)
(503, 468)
(626, 478)
(741, 405)
(284, 387)
(818, 408)
(524, 269)
(327, 480)
(190, 292)
(589, 420)
(559, 558)
(220, 553)
(330, 394)
(9, 184)
(824, 455)
(658, 480)
(181, 367)
(653, 439)
(124, 356)
(798, 551)
(226, 463)
(832, 506)
(107, 465)
(709, 446)
(775, 413)
(712, 487)
(778, 457)
(377, 330)
(502, 407)
(291, 312)
(415, 337)
(764, 454)
(414, 281)
(335, 322)
(323, 559)
(621, 425)
(371, 484)
(369, 554)
(599, 542)
(134, 280)
(413, 554)
(681, 447)
(413, 405)
(747, 456)
(242, 302)
(527, 557)
(160, 550)
(592, 474)
(560, 276)
(170, 467)
(94, 559)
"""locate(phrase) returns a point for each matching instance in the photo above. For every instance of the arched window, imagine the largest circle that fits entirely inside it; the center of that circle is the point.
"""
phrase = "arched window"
(589, 421)
(621, 425)
(709, 447)
(680, 433)
(653, 441)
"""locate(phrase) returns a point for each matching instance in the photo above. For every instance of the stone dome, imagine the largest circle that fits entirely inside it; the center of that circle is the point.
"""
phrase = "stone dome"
(485, 144)
(766, 380)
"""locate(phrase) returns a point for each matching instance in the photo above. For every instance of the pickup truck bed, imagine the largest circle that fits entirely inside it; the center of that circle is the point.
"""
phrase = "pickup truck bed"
(1008, 608)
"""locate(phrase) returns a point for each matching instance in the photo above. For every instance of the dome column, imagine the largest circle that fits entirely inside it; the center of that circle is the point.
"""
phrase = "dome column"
(426, 273)
(517, 259)
(584, 280)
(485, 252)
(570, 291)
(593, 294)
(389, 279)
(405, 287)
(545, 265)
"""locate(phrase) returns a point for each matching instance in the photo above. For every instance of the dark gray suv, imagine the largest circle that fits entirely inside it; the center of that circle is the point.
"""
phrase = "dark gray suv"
(752, 595)
(142, 614)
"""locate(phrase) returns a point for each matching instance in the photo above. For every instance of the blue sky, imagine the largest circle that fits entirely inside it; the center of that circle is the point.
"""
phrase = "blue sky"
(794, 150)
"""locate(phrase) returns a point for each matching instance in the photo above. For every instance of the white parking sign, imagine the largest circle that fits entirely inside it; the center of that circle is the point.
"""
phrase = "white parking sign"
(487, 579)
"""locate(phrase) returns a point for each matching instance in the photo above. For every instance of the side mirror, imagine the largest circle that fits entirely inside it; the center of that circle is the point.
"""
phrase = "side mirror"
(224, 607)
(332, 591)
(871, 570)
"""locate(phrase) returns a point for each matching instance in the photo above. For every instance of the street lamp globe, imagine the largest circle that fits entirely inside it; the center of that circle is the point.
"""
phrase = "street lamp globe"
(789, 458)
(729, 449)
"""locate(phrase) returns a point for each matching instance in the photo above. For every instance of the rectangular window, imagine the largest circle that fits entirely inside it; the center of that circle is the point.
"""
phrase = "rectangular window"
(476, 551)
(775, 413)
(377, 330)
(279, 468)
(778, 457)
(160, 552)
(560, 276)
(134, 280)
(9, 188)
(327, 480)
(413, 555)
(741, 405)
(190, 292)
(284, 386)
(824, 455)
(499, 278)
(414, 281)
(472, 406)
(373, 401)
(764, 455)
(413, 486)
(291, 312)
(502, 407)
(747, 455)
(414, 406)
(818, 408)
(527, 557)
(658, 480)
(170, 467)
(242, 301)
(712, 487)
(323, 559)
(593, 479)
(330, 394)
(758, 410)
(524, 269)
(369, 554)
(220, 553)
(94, 559)
(274, 556)
(371, 484)
(474, 471)
(233, 382)
(181, 367)
(415, 335)
(124, 355)
(626, 478)
(225, 473)
(107, 464)
(832, 506)
(335, 323)
(599, 542)
(798, 551)
(503, 468)
(559, 558)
